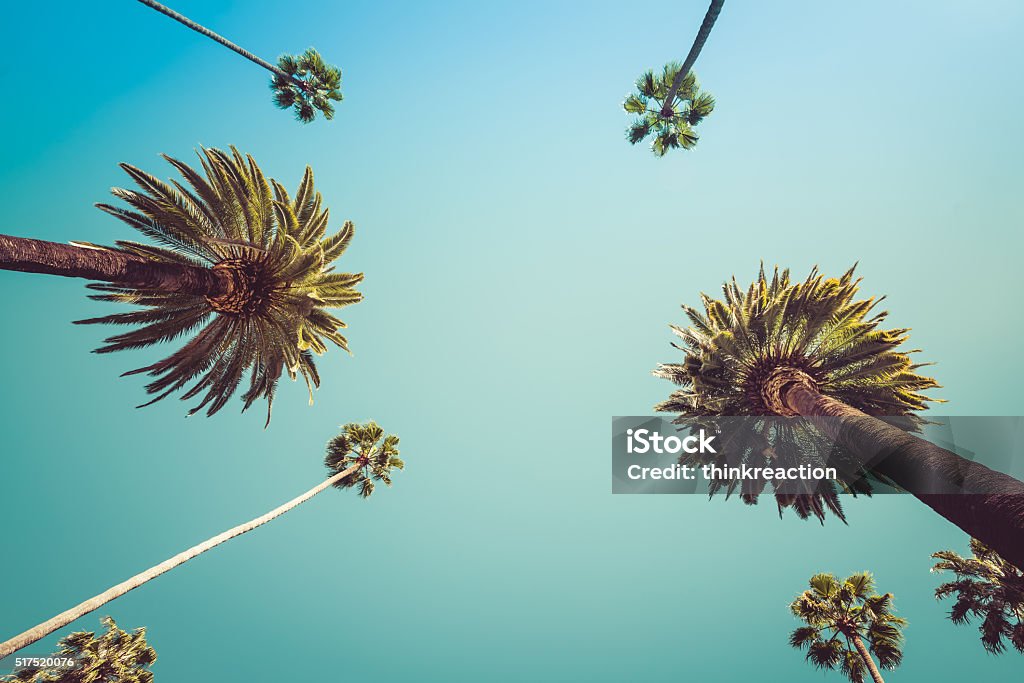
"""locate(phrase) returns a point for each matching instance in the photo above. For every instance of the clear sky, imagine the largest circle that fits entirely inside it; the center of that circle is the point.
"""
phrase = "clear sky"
(523, 262)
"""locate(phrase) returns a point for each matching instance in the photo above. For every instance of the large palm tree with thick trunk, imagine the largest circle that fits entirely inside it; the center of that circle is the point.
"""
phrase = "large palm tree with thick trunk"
(304, 82)
(116, 656)
(671, 103)
(812, 349)
(847, 622)
(988, 588)
(361, 455)
(238, 265)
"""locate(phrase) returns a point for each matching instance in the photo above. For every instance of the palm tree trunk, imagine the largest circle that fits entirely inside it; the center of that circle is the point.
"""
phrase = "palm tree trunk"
(67, 260)
(866, 656)
(986, 504)
(199, 28)
(698, 44)
(80, 610)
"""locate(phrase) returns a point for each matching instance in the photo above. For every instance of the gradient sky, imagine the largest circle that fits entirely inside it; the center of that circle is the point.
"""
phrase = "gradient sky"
(522, 264)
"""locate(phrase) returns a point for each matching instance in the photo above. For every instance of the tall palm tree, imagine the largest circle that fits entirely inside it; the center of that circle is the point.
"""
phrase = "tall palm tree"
(846, 623)
(357, 457)
(811, 349)
(115, 657)
(670, 105)
(241, 267)
(986, 587)
(305, 81)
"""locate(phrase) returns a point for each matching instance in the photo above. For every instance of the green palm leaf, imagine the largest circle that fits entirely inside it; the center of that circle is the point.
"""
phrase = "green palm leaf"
(842, 617)
(987, 588)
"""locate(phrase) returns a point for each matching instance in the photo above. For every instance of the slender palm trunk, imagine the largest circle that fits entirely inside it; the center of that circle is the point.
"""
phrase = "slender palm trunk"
(986, 504)
(199, 28)
(866, 656)
(36, 256)
(698, 44)
(80, 610)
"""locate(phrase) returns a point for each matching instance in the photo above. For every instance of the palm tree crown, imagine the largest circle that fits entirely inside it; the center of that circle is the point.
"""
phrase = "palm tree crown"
(273, 254)
(308, 84)
(989, 588)
(844, 618)
(671, 117)
(115, 656)
(366, 446)
(737, 342)
(735, 346)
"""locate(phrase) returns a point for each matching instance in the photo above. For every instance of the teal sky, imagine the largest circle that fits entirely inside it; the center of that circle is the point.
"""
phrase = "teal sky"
(522, 264)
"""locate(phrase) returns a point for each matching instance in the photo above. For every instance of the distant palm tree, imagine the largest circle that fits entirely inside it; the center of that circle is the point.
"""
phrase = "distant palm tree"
(846, 623)
(115, 657)
(811, 349)
(670, 105)
(357, 457)
(305, 82)
(986, 587)
(240, 261)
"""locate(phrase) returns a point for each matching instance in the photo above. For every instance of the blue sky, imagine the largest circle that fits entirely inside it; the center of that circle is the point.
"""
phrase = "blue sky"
(522, 264)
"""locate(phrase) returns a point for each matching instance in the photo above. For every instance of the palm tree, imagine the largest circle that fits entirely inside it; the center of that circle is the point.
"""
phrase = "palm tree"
(115, 657)
(670, 118)
(242, 267)
(357, 457)
(305, 82)
(810, 349)
(846, 623)
(986, 587)
(671, 104)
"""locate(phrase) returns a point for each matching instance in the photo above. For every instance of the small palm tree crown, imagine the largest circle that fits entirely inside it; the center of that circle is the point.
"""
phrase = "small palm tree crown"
(671, 122)
(364, 445)
(734, 345)
(115, 656)
(311, 85)
(988, 588)
(838, 614)
(271, 247)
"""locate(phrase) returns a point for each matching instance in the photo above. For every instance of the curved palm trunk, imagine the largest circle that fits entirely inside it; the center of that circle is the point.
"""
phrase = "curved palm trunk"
(986, 504)
(866, 656)
(698, 44)
(36, 256)
(65, 618)
(199, 28)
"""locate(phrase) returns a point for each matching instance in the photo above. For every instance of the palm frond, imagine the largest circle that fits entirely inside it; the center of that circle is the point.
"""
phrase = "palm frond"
(312, 85)
(670, 121)
(270, 249)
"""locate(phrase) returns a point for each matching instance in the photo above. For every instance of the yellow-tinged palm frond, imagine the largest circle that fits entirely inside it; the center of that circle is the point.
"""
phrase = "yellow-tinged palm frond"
(733, 345)
(274, 261)
(116, 655)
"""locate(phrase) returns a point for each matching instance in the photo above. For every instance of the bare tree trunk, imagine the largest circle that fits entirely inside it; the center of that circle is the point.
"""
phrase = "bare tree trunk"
(986, 504)
(698, 44)
(866, 656)
(36, 256)
(199, 28)
(64, 618)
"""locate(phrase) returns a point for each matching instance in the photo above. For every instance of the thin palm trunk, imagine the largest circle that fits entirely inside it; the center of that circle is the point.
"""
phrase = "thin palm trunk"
(199, 28)
(67, 260)
(986, 504)
(866, 656)
(80, 610)
(698, 44)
